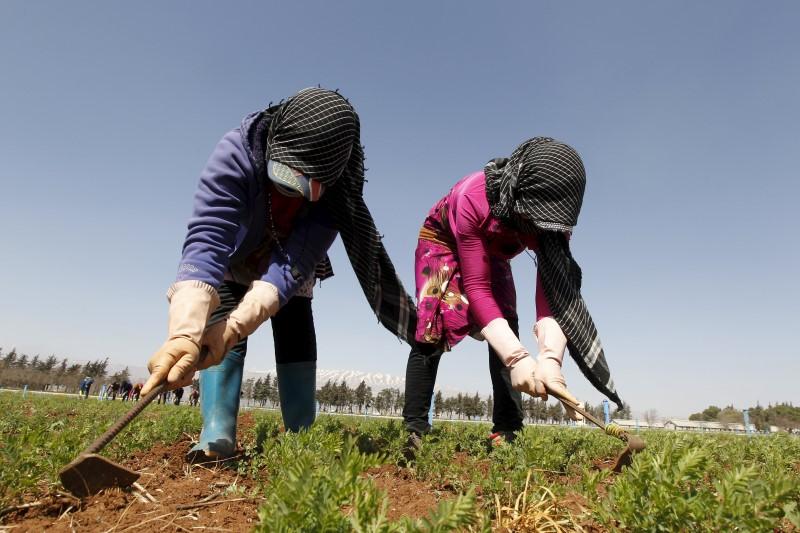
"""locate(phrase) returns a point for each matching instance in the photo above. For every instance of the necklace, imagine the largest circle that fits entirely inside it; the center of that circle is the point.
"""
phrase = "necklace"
(296, 274)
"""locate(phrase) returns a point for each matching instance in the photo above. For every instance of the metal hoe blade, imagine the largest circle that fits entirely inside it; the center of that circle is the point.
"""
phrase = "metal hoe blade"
(90, 473)
(635, 444)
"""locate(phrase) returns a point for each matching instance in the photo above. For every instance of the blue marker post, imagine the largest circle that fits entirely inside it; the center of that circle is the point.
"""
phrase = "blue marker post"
(606, 414)
(24, 391)
(747, 423)
(430, 413)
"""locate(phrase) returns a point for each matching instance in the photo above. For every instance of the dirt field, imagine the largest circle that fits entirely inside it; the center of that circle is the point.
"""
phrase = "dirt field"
(179, 496)
(346, 474)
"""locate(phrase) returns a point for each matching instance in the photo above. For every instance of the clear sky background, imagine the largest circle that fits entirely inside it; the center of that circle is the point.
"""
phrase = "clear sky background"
(686, 114)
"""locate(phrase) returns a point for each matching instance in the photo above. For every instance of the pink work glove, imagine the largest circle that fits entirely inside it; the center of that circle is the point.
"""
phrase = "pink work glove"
(513, 354)
(259, 303)
(552, 344)
(190, 304)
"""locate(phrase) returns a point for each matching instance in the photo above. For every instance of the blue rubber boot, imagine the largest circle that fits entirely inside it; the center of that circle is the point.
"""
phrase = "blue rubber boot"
(297, 387)
(220, 388)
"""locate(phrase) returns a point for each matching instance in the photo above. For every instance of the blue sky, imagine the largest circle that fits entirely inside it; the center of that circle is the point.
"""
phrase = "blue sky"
(686, 116)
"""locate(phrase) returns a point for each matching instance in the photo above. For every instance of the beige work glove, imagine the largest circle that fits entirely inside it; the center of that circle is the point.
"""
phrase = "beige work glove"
(552, 344)
(514, 356)
(190, 304)
(258, 304)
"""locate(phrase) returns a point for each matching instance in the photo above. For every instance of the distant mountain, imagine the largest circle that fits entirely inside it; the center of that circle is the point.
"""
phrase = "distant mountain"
(377, 381)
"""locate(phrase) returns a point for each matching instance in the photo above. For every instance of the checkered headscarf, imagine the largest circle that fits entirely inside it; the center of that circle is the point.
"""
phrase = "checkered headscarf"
(318, 132)
(539, 189)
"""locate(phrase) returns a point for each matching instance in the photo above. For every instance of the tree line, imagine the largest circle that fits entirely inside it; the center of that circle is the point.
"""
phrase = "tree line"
(52, 373)
(339, 397)
(59, 374)
(783, 415)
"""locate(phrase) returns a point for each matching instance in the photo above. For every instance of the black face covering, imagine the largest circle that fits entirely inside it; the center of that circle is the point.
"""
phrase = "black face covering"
(318, 133)
(541, 185)
(539, 189)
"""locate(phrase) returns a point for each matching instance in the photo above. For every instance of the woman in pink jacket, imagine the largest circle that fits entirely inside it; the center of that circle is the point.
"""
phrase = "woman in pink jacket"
(465, 286)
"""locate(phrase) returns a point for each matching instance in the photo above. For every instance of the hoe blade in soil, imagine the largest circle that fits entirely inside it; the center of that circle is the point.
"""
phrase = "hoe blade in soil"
(90, 473)
(635, 444)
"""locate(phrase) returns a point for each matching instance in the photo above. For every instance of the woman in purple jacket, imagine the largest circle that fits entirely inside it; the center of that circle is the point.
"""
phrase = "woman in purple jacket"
(272, 198)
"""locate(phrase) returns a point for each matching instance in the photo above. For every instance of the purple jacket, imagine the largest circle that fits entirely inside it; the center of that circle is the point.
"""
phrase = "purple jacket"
(229, 221)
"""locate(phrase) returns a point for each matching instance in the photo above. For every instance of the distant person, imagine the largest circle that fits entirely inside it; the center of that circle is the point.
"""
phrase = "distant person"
(137, 391)
(194, 397)
(164, 397)
(272, 198)
(465, 286)
(114, 390)
(178, 394)
(125, 390)
(86, 385)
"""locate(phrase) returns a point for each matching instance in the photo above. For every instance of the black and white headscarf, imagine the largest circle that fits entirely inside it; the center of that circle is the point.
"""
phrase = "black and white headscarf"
(539, 189)
(318, 132)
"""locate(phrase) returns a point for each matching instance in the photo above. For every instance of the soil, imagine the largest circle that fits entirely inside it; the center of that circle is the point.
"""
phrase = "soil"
(462, 458)
(407, 496)
(604, 464)
(173, 483)
(573, 502)
(170, 481)
(233, 500)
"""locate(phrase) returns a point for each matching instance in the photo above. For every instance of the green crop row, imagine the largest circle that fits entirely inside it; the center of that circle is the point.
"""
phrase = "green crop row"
(41, 434)
(550, 479)
(687, 482)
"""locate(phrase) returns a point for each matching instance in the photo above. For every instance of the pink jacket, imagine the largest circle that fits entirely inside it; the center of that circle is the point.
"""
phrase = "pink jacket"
(479, 238)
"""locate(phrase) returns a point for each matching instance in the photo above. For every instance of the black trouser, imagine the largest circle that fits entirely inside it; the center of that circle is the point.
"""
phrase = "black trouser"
(292, 327)
(423, 363)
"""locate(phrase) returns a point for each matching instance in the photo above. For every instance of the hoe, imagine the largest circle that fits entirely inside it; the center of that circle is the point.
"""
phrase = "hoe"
(634, 443)
(90, 473)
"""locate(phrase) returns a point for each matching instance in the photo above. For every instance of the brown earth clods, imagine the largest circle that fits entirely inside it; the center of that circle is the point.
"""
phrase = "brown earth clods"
(407, 496)
(170, 481)
(228, 502)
